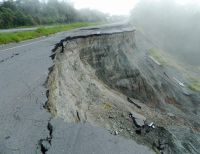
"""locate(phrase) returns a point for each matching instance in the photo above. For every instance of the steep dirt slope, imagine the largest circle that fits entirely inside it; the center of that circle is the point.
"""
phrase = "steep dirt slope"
(94, 74)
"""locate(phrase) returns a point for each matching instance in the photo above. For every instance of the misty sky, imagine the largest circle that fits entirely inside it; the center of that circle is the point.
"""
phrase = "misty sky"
(113, 7)
(116, 7)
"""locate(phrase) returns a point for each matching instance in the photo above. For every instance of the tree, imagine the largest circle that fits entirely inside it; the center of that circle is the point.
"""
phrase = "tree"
(33, 12)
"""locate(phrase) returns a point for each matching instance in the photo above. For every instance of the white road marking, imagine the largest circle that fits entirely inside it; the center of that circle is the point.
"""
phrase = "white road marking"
(25, 45)
(179, 82)
(154, 60)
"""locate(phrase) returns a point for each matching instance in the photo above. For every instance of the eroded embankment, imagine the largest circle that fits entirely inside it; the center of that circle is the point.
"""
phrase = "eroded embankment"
(91, 79)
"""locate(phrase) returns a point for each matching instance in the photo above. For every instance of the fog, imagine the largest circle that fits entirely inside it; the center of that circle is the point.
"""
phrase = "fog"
(173, 25)
(111, 7)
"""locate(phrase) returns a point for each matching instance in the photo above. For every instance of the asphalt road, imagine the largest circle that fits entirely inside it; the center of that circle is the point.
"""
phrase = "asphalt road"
(17, 30)
(21, 29)
(24, 123)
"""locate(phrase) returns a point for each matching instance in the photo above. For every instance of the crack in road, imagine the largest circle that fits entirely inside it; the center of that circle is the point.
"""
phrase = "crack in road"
(45, 143)
(8, 58)
(38, 130)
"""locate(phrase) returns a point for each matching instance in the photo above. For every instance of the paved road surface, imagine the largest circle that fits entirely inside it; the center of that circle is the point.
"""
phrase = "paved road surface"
(21, 29)
(17, 30)
(24, 124)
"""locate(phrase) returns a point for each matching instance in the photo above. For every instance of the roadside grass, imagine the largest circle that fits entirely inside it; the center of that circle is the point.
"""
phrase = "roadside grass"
(41, 31)
(166, 59)
(194, 84)
(157, 55)
(193, 80)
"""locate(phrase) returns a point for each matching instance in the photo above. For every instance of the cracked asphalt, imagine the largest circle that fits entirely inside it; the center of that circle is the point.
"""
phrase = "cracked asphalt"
(25, 126)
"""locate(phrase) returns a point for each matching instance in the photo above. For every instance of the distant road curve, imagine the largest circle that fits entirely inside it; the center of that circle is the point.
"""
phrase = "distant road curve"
(22, 29)
(17, 30)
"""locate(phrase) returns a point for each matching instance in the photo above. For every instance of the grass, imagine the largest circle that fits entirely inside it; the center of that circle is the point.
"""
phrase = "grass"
(157, 55)
(166, 59)
(194, 84)
(41, 31)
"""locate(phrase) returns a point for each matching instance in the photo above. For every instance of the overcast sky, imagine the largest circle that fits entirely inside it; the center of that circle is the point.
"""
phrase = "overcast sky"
(113, 7)
(116, 7)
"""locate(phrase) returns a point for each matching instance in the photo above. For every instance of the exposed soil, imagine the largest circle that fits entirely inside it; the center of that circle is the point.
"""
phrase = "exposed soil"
(93, 76)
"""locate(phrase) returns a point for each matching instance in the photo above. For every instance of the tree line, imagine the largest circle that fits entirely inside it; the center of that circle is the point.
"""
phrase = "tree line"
(34, 12)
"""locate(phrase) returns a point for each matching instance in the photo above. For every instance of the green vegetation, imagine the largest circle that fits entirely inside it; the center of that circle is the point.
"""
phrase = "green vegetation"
(164, 59)
(194, 84)
(42, 31)
(27, 13)
(157, 55)
(17, 13)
